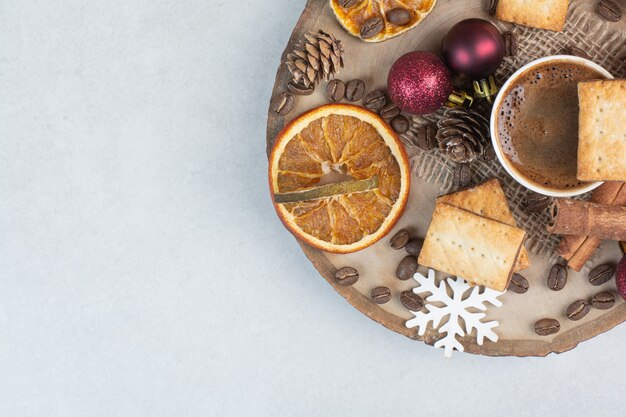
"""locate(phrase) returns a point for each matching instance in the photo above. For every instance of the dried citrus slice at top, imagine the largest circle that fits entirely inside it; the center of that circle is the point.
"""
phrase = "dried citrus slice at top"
(339, 141)
(379, 20)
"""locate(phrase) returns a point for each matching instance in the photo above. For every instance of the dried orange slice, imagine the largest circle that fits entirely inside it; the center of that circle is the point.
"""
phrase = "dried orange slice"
(311, 160)
(379, 20)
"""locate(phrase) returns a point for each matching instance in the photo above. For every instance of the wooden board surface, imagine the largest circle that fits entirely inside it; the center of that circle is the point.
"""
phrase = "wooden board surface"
(370, 63)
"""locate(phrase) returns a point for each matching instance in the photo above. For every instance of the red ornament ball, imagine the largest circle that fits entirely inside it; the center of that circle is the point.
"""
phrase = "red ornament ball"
(620, 277)
(419, 82)
(473, 48)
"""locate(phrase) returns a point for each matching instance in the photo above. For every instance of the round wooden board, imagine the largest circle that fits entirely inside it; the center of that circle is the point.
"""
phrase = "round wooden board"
(428, 35)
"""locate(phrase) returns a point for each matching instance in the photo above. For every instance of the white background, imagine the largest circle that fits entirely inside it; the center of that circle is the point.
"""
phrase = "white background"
(143, 271)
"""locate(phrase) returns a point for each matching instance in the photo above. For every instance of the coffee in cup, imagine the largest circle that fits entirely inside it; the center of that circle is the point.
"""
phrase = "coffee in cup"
(535, 124)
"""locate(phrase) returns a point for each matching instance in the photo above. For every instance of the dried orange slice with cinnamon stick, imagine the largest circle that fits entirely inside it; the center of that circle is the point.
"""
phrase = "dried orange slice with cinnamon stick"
(339, 177)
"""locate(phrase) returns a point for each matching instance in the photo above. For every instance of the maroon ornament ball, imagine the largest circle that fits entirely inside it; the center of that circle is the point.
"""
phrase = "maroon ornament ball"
(473, 48)
(419, 83)
(620, 277)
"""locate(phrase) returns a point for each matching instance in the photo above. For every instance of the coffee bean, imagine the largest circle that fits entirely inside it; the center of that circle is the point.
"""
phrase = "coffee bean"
(578, 309)
(536, 203)
(493, 5)
(414, 247)
(355, 90)
(609, 10)
(335, 90)
(389, 111)
(347, 3)
(400, 239)
(461, 176)
(300, 89)
(426, 137)
(412, 301)
(545, 327)
(573, 50)
(400, 124)
(601, 274)
(518, 284)
(375, 100)
(557, 277)
(381, 295)
(372, 27)
(407, 268)
(283, 104)
(510, 44)
(603, 300)
(346, 276)
(399, 16)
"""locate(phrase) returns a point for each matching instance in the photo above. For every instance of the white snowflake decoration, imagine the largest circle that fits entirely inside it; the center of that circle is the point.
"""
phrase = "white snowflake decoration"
(456, 307)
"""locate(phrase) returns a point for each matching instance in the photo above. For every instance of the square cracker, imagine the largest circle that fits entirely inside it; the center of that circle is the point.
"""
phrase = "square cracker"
(602, 130)
(480, 250)
(487, 200)
(542, 14)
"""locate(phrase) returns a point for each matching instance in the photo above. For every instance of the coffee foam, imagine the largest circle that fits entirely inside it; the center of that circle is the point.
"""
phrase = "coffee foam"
(537, 123)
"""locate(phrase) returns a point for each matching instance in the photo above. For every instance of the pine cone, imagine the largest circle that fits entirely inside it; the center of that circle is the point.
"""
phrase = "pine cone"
(463, 134)
(319, 57)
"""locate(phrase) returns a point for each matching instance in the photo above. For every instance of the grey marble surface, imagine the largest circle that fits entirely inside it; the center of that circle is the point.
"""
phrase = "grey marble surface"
(143, 271)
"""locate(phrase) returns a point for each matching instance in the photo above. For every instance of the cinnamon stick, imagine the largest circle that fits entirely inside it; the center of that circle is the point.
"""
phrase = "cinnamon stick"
(578, 249)
(575, 217)
(607, 193)
(584, 252)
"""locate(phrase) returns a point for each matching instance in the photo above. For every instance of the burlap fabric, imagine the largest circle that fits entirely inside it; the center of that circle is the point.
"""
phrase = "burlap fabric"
(585, 30)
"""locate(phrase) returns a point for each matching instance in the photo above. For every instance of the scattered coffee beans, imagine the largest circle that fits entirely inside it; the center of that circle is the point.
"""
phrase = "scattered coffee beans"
(575, 51)
(609, 10)
(400, 239)
(578, 309)
(603, 300)
(389, 111)
(407, 268)
(601, 274)
(536, 203)
(381, 295)
(518, 284)
(414, 247)
(557, 277)
(461, 176)
(400, 124)
(335, 90)
(375, 100)
(411, 301)
(398, 16)
(545, 327)
(347, 276)
(510, 44)
(355, 90)
(283, 104)
(372, 27)
(426, 137)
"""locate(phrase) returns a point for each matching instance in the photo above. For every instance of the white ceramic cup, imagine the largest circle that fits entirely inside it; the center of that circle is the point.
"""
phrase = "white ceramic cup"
(539, 188)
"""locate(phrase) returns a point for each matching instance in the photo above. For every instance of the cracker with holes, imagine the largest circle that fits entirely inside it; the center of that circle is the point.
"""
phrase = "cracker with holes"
(480, 250)
(602, 130)
(542, 14)
(487, 200)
